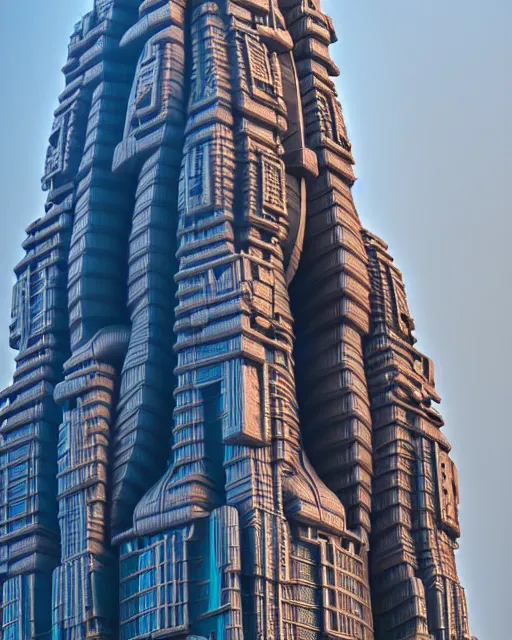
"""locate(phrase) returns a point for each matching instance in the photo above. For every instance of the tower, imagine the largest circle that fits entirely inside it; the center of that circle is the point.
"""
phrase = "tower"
(219, 426)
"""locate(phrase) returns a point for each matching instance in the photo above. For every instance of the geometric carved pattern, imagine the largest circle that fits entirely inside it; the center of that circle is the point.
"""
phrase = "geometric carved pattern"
(273, 184)
(259, 66)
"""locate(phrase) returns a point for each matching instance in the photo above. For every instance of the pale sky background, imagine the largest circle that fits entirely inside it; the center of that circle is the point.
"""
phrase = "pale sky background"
(426, 91)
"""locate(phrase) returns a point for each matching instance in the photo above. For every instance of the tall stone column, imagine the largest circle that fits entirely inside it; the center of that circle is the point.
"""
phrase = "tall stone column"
(85, 582)
(330, 294)
(416, 589)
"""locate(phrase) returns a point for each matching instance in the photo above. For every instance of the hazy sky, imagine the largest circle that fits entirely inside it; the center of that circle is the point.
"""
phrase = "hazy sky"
(426, 92)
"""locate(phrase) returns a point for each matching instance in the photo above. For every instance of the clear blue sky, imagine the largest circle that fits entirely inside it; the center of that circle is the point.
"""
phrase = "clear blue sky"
(427, 95)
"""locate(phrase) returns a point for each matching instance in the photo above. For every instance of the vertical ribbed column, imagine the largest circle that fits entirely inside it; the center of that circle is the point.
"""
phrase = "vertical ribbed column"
(143, 420)
(84, 593)
(268, 484)
(151, 151)
(208, 298)
(330, 291)
(181, 507)
(97, 255)
(265, 374)
(29, 532)
(84, 585)
(416, 590)
(399, 595)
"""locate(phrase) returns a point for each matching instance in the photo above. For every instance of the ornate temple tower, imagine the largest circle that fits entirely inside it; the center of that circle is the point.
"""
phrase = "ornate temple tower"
(219, 427)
